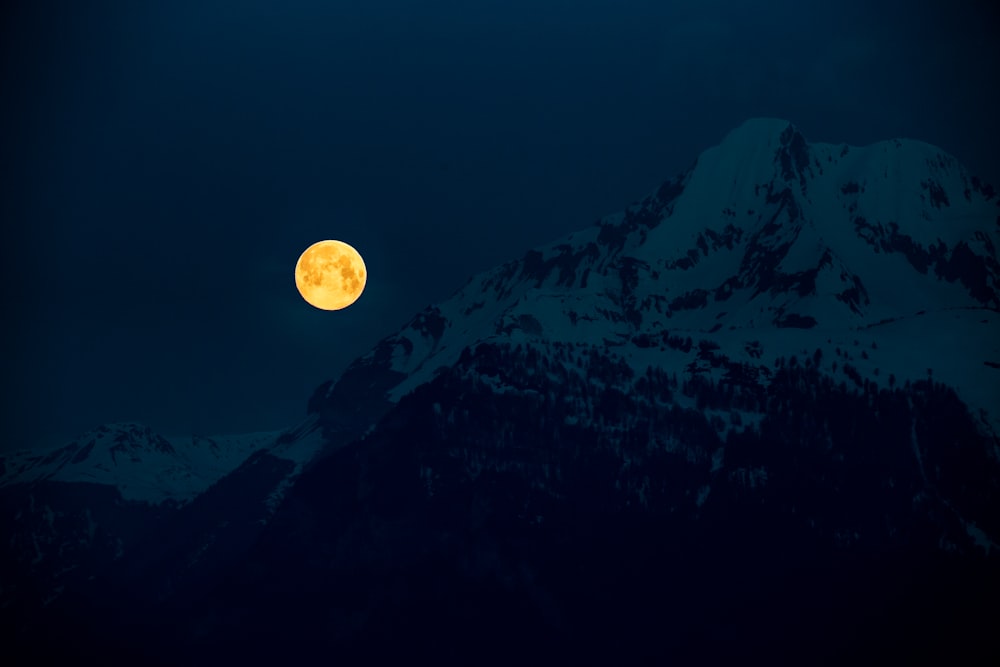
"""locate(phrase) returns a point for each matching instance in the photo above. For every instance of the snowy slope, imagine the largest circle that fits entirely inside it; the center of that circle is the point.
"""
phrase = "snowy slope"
(881, 257)
(146, 466)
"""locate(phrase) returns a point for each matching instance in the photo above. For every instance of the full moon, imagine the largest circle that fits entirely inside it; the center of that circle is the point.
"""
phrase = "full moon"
(330, 275)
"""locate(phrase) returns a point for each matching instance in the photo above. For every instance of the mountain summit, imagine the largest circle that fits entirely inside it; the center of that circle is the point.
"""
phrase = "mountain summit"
(764, 234)
(753, 415)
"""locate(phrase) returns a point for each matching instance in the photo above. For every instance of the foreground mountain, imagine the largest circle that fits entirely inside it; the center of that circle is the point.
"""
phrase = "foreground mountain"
(754, 415)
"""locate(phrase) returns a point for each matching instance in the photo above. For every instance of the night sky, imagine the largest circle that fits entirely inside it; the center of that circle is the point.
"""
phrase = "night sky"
(164, 164)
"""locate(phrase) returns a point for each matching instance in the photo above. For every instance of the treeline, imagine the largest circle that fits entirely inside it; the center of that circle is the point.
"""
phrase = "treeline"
(853, 461)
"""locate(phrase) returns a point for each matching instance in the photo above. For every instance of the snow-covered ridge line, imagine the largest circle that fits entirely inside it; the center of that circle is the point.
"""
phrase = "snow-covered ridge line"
(766, 236)
(142, 464)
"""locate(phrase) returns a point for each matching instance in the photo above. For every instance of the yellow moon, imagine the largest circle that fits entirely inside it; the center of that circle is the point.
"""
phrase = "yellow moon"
(330, 275)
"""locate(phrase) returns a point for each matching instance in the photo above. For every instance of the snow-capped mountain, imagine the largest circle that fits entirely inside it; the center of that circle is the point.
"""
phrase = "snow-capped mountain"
(148, 467)
(771, 385)
(141, 464)
(767, 246)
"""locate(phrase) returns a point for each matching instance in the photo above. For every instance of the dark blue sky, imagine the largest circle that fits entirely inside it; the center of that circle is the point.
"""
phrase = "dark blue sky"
(164, 163)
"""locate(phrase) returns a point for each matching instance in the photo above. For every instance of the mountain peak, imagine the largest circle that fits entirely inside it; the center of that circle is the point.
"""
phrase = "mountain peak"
(763, 235)
(142, 464)
(769, 132)
(761, 142)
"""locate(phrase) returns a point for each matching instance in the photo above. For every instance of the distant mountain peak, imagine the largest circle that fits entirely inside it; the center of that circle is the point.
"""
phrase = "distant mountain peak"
(142, 464)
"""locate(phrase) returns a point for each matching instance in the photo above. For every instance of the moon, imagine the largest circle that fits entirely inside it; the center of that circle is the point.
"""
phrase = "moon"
(330, 275)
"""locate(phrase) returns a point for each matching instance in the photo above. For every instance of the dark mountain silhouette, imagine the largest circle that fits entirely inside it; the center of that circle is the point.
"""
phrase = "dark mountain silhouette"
(753, 416)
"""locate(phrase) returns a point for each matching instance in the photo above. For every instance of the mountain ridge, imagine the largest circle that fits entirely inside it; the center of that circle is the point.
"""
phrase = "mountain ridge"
(610, 245)
(776, 376)
(765, 289)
